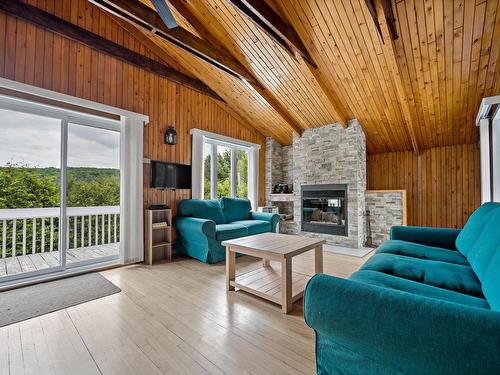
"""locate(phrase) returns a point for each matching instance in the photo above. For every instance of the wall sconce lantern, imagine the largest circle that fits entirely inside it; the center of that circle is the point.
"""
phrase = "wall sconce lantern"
(171, 136)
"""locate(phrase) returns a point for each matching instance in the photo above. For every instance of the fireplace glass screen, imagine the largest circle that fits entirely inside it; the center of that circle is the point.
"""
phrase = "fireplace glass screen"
(324, 209)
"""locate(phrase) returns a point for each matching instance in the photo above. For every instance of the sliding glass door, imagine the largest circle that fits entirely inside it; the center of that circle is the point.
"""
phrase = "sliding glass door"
(30, 193)
(59, 189)
(93, 194)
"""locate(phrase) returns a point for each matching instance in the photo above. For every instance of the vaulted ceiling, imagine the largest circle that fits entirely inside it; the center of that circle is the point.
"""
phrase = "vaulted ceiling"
(412, 71)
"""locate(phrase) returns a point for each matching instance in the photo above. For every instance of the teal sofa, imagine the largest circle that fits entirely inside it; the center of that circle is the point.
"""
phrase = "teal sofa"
(428, 302)
(203, 224)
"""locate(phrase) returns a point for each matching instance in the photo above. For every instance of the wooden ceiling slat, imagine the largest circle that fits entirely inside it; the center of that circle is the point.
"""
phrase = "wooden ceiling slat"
(352, 61)
(284, 74)
(470, 104)
(381, 69)
(392, 67)
(430, 40)
(331, 61)
(444, 61)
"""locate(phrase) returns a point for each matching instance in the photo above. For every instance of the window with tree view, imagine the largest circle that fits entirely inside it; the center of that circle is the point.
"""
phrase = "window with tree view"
(227, 174)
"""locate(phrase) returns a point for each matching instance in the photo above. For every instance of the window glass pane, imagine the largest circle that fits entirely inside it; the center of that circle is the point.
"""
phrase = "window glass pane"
(223, 172)
(93, 196)
(241, 174)
(30, 175)
(206, 170)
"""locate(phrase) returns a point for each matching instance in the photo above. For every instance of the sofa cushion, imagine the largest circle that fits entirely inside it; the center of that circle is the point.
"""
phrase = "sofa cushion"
(392, 282)
(481, 253)
(255, 226)
(236, 209)
(416, 250)
(491, 282)
(470, 235)
(229, 231)
(455, 277)
(203, 209)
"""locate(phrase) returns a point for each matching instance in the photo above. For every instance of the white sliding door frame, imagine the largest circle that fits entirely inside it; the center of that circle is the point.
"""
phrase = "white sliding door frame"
(130, 127)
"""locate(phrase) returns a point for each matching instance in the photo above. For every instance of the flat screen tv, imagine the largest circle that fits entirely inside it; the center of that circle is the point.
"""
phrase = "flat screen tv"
(170, 175)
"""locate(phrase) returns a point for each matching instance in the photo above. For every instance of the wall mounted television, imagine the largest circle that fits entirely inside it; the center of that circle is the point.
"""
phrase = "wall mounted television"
(170, 175)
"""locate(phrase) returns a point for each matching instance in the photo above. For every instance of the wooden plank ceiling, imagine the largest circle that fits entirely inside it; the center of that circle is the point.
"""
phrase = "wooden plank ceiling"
(419, 90)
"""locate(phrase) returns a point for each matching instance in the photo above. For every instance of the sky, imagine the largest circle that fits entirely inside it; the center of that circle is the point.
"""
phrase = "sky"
(36, 140)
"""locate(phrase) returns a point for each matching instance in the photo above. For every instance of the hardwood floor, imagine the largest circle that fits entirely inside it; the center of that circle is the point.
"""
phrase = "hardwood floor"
(171, 318)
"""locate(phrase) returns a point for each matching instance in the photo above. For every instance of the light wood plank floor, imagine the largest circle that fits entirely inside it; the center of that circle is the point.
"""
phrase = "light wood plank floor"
(170, 319)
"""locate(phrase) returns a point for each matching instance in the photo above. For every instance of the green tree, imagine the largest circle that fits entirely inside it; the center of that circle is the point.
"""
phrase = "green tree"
(241, 174)
(25, 187)
(224, 174)
(206, 177)
(101, 192)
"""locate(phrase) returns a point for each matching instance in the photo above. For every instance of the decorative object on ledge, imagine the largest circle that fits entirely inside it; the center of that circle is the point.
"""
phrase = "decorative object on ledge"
(171, 136)
(158, 235)
(281, 189)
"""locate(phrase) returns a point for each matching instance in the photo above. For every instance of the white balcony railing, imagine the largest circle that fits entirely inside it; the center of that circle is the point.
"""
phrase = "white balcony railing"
(34, 230)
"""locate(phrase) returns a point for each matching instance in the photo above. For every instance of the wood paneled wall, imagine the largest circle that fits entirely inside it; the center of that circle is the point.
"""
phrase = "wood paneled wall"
(442, 183)
(31, 55)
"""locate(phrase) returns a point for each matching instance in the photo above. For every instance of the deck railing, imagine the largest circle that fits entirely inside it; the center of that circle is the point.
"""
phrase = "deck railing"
(34, 230)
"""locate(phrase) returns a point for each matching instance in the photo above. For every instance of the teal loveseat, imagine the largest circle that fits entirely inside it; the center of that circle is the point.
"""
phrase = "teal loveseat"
(203, 224)
(428, 302)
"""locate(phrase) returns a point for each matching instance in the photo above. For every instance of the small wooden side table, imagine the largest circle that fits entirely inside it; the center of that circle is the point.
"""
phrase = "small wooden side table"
(281, 286)
(158, 235)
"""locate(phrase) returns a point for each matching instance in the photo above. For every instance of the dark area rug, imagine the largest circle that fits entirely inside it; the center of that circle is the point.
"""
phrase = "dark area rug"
(28, 302)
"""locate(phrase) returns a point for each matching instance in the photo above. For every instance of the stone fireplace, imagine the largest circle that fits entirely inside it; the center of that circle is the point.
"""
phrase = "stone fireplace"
(326, 168)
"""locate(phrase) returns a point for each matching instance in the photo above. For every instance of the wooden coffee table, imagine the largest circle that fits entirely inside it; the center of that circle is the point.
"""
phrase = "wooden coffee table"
(283, 286)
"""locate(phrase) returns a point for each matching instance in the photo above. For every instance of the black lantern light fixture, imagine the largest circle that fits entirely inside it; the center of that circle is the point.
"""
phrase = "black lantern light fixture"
(171, 136)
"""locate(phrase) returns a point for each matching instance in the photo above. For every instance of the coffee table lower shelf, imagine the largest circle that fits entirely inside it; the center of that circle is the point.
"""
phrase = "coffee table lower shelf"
(266, 282)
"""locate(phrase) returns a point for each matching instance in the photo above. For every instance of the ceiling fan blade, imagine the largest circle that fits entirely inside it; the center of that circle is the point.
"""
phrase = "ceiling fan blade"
(165, 13)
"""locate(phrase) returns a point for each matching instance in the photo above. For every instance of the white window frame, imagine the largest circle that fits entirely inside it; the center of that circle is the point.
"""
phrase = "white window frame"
(130, 125)
(488, 121)
(200, 138)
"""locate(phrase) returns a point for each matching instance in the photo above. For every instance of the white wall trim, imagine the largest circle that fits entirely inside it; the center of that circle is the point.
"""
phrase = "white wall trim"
(222, 139)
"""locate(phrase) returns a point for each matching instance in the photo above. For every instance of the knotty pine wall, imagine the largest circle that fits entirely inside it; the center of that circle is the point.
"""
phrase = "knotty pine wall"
(442, 183)
(31, 55)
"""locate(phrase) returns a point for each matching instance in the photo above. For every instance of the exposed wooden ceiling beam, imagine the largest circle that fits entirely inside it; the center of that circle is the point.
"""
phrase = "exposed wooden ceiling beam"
(161, 50)
(264, 16)
(390, 57)
(389, 17)
(66, 29)
(256, 19)
(146, 18)
(148, 43)
(279, 26)
(183, 9)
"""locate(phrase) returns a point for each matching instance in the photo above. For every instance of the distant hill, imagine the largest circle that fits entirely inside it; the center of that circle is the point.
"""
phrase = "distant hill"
(85, 174)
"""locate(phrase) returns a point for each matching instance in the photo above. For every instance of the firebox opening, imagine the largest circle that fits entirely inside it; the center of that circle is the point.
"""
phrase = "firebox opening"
(324, 209)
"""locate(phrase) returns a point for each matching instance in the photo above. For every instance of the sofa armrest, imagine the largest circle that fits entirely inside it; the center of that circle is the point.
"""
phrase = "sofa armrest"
(438, 237)
(193, 227)
(401, 330)
(266, 216)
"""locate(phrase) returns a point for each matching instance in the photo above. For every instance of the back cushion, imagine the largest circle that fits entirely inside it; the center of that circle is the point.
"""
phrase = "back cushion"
(468, 237)
(236, 209)
(482, 252)
(203, 209)
(491, 282)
